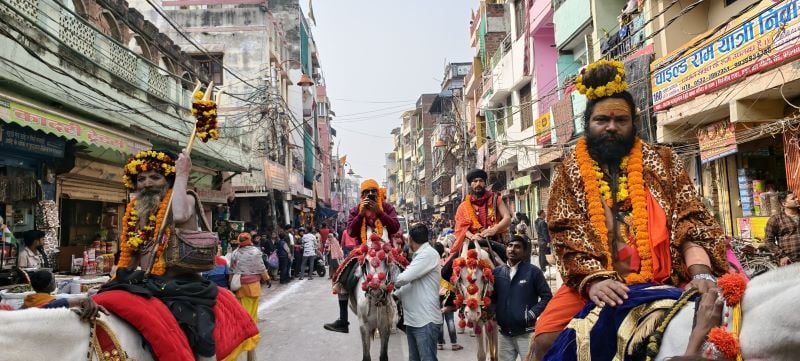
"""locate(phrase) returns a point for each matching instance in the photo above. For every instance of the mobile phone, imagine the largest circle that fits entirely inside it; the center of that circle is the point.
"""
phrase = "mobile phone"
(373, 197)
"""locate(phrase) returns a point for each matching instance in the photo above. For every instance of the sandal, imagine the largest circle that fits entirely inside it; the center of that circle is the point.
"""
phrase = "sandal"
(457, 347)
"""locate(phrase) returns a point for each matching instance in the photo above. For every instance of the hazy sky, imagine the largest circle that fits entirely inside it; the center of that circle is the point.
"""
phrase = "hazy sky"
(377, 57)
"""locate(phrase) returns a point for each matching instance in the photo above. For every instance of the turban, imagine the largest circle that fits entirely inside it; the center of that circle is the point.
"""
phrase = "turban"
(245, 239)
(476, 173)
(369, 184)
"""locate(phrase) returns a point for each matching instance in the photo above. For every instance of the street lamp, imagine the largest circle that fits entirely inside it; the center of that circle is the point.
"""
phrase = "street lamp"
(350, 172)
(305, 81)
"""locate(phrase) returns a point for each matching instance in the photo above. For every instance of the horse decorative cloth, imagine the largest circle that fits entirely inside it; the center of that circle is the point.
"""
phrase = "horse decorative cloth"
(234, 333)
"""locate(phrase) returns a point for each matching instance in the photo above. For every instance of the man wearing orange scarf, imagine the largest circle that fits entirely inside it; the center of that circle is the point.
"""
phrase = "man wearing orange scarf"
(482, 216)
(372, 216)
(622, 212)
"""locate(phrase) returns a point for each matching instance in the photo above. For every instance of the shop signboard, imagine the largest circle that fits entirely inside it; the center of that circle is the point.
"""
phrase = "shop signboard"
(84, 132)
(519, 182)
(14, 137)
(544, 131)
(717, 140)
(760, 39)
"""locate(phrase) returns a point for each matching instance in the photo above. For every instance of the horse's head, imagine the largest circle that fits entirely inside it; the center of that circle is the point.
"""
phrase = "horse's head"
(380, 270)
(473, 281)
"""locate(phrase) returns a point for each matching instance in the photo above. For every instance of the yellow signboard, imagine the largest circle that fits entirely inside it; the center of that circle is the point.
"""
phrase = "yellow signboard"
(544, 132)
(760, 39)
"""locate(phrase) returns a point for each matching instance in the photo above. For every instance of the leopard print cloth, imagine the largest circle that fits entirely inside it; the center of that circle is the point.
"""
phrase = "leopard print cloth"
(576, 244)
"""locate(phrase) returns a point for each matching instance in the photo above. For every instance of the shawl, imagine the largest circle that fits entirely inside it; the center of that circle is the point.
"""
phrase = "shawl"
(574, 240)
(247, 261)
(464, 221)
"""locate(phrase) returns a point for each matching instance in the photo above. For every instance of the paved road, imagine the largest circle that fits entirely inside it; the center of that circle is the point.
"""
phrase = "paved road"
(291, 318)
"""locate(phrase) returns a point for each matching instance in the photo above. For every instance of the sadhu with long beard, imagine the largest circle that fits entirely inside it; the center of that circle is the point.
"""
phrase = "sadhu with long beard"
(622, 212)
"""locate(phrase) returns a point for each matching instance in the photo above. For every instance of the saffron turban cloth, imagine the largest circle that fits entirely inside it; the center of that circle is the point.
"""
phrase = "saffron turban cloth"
(369, 184)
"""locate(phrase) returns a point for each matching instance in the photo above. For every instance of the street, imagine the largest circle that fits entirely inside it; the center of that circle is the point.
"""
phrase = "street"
(291, 318)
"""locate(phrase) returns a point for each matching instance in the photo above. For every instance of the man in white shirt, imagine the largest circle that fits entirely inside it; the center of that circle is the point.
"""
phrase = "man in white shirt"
(418, 289)
(309, 241)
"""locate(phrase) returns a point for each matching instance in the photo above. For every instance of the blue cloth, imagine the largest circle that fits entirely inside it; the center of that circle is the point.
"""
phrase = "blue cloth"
(218, 275)
(604, 333)
(519, 301)
(422, 342)
(57, 303)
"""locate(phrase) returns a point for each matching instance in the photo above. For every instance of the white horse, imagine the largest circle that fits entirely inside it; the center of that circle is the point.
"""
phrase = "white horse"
(769, 319)
(473, 288)
(374, 304)
(58, 334)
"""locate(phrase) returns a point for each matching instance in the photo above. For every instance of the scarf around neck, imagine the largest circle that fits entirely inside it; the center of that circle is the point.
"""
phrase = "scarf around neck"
(37, 300)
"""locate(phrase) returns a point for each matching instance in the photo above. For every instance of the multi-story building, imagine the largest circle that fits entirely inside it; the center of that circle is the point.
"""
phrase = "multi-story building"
(84, 85)
(265, 58)
(724, 87)
(450, 149)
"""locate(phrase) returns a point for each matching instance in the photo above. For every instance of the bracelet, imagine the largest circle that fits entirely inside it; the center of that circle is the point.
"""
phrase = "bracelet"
(704, 277)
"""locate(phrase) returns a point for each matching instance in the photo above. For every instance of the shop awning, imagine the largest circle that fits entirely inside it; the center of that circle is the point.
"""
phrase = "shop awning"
(44, 118)
(91, 189)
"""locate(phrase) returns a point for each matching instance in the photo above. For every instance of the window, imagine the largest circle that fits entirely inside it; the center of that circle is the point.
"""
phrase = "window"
(211, 65)
(509, 113)
(729, 2)
(525, 107)
(519, 13)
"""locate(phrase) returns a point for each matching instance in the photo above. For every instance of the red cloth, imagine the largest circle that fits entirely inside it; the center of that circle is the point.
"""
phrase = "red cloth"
(157, 325)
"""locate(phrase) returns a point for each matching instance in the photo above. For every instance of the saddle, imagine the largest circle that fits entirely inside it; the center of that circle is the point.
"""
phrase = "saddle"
(619, 333)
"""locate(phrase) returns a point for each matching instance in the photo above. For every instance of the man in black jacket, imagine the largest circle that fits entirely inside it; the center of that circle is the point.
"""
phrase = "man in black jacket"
(520, 296)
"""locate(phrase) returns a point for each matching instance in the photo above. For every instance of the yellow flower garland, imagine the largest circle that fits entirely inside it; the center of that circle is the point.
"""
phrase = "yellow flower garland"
(638, 195)
(378, 225)
(132, 238)
(605, 188)
(615, 86)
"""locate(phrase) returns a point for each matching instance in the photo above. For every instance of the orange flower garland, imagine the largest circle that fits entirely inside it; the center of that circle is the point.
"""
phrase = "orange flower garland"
(476, 224)
(638, 195)
(132, 238)
(378, 225)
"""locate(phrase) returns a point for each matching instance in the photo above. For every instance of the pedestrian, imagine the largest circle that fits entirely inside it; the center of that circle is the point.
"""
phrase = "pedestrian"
(520, 296)
(32, 255)
(348, 243)
(284, 259)
(543, 234)
(418, 291)
(335, 253)
(247, 264)
(309, 244)
(783, 230)
(448, 308)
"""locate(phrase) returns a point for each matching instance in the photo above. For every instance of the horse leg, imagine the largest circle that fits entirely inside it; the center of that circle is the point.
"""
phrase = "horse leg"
(491, 336)
(479, 335)
(541, 344)
(366, 337)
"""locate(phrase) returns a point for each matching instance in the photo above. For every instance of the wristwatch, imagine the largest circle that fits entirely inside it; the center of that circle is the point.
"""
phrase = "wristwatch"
(705, 277)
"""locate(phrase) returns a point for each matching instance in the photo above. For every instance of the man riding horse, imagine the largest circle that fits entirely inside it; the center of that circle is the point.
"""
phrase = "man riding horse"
(372, 216)
(622, 212)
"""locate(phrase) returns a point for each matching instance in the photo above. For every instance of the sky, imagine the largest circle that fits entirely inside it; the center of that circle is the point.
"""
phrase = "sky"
(377, 57)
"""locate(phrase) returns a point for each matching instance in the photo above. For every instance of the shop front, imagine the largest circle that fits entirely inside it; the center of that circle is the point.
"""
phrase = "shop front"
(740, 179)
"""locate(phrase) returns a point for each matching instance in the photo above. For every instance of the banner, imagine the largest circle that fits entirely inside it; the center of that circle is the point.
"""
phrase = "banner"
(717, 140)
(543, 129)
(18, 138)
(83, 132)
(760, 39)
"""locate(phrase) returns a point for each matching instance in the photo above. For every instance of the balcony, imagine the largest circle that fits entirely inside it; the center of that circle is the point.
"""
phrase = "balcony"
(507, 69)
(72, 34)
(571, 16)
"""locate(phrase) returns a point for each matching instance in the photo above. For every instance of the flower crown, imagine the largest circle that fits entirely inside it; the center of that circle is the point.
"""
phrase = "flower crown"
(145, 161)
(617, 85)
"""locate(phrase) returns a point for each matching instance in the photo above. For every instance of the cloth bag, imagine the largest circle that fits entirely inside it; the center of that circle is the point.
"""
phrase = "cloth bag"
(236, 282)
(192, 251)
(272, 261)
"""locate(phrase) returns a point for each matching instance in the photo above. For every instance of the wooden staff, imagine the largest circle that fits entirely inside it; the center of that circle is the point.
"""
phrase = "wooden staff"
(188, 149)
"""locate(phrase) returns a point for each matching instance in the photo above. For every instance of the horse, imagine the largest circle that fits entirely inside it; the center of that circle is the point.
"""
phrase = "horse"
(472, 279)
(661, 327)
(378, 267)
(59, 334)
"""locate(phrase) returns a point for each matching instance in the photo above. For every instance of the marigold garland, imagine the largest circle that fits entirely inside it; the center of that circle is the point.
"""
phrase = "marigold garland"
(638, 195)
(205, 112)
(617, 85)
(605, 188)
(378, 225)
(132, 238)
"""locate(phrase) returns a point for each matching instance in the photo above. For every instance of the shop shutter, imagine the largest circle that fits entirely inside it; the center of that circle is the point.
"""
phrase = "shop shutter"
(91, 189)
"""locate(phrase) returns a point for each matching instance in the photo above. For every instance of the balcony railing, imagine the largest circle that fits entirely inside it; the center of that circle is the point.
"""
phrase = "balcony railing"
(502, 50)
(70, 31)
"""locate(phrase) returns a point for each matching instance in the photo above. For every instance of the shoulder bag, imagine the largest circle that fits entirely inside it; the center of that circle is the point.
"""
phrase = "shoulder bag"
(192, 251)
